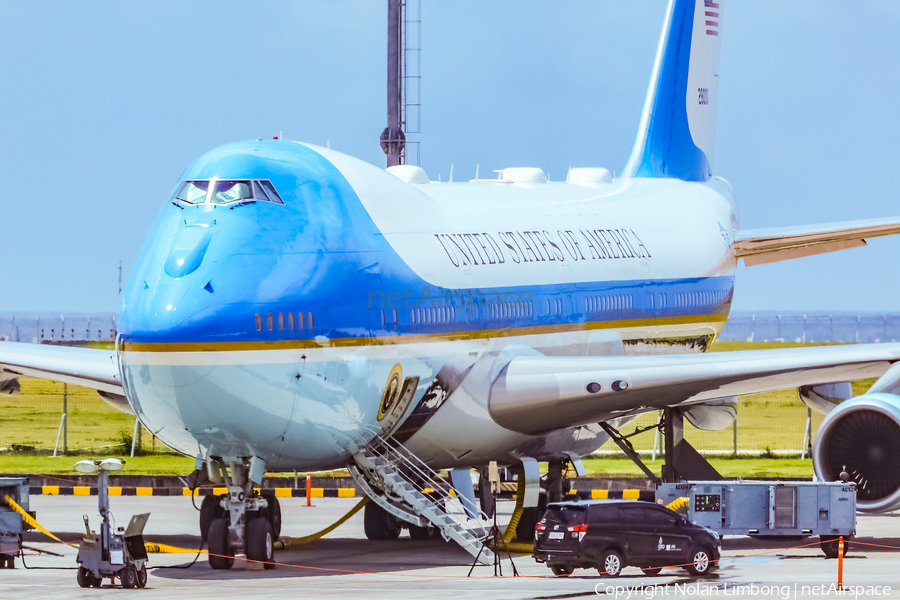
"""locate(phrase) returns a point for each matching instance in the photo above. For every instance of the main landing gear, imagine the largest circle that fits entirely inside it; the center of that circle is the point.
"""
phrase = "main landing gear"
(241, 521)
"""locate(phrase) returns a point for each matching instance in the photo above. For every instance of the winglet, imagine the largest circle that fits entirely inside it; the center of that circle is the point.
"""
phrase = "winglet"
(676, 133)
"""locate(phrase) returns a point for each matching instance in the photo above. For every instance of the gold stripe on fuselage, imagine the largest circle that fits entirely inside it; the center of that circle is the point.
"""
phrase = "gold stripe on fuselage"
(415, 338)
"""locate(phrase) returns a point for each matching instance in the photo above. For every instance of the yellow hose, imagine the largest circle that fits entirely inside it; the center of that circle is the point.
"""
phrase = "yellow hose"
(153, 548)
(510, 533)
(678, 503)
(287, 542)
(30, 520)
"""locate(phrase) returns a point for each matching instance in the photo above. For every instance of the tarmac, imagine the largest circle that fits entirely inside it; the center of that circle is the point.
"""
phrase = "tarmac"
(345, 564)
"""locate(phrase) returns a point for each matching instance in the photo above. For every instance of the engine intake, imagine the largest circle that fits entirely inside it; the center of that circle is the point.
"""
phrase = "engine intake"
(862, 435)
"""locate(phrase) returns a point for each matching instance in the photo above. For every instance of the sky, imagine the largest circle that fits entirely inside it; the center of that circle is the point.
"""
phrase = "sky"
(105, 103)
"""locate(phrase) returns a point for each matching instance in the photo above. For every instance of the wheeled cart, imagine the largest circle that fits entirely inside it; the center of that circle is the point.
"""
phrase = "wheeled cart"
(112, 554)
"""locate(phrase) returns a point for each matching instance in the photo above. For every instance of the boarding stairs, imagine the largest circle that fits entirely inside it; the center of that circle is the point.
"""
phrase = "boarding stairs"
(398, 481)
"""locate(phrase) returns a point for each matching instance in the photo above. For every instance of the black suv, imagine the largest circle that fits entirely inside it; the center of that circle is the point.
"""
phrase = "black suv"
(611, 534)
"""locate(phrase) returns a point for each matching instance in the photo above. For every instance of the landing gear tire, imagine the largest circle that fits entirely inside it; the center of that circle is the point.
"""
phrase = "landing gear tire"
(128, 576)
(420, 533)
(142, 576)
(260, 540)
(221, 556)
(700, 562)
(562, 570)
(273, 512)
(610, 564)
(210, 510)
(650, 572)
(379, 524)
(829, 546)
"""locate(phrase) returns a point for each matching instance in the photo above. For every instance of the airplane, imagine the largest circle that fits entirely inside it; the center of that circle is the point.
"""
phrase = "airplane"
(294, 308)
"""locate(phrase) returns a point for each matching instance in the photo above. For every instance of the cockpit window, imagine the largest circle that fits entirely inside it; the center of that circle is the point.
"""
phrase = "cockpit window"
(227, 191)
(230, 190)
(193, 192)
(260, 192)
(270, 191)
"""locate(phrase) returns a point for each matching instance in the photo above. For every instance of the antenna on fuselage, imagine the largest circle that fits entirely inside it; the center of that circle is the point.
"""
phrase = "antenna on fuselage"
(450, 179)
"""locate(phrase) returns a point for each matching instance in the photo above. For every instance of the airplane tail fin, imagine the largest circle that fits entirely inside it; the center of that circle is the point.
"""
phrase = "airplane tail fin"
(676, 133)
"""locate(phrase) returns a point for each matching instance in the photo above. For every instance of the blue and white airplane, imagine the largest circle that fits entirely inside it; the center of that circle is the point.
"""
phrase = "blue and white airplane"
(291, 302)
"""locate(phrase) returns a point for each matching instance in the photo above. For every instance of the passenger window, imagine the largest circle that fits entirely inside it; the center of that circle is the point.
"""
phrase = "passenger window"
(271, 192)
(281, 321)
(229, 190)
(193, 192)
(291, 321)
(258, 319)
(659, 517)
(605, 514)
(300, 324)
(634, 515)
(270, 322)
(310, 320)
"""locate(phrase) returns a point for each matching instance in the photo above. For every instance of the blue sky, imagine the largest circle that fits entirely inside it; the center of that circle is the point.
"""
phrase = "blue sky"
(105, 103)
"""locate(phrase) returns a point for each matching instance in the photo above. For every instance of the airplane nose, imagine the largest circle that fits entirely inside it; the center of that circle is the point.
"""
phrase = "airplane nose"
(188, 251)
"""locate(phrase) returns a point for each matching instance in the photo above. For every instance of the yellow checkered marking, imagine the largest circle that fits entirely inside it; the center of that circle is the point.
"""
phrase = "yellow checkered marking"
(50, 490)
(143, 491)
(346, 493)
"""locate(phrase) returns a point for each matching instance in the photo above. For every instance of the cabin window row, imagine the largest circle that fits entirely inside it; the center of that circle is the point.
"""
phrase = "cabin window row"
(440, 314)
(284, 321)
(690, 299)
(511, 310)
(608, 303)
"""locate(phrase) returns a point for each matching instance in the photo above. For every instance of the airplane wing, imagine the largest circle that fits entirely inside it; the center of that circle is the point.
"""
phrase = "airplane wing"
(540, 394)
(761, 246)
(88, 367)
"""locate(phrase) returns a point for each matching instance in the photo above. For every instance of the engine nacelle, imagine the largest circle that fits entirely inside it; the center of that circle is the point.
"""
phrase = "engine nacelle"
(862, 436)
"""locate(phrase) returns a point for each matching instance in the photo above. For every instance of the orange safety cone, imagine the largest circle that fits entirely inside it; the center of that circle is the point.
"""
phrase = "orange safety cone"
(840, 583)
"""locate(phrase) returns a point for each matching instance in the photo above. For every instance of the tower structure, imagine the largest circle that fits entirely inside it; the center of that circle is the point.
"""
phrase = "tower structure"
(403, 82)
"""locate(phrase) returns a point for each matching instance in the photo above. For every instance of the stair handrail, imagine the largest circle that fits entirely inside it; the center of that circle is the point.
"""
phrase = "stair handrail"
(427, 475)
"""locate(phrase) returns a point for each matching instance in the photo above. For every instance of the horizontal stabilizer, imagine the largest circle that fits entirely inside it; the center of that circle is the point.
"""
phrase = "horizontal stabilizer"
(761, 246)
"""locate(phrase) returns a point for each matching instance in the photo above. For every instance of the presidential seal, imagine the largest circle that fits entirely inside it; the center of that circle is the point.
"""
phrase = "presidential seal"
(391, 392)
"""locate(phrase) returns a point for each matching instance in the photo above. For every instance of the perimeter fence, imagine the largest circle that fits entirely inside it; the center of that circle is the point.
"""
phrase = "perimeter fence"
(48, 416)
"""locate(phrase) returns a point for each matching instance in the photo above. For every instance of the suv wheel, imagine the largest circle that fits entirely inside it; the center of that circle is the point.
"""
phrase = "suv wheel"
(560, 570)
(700, 562)
(611, 564)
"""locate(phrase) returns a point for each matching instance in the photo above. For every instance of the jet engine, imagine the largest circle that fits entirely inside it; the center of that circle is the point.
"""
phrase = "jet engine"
(862, 437)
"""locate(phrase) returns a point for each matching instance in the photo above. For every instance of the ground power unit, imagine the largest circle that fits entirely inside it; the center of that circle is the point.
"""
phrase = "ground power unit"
(768, 508)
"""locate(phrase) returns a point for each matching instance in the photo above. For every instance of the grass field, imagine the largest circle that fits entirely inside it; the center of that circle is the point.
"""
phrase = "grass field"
(773, 421)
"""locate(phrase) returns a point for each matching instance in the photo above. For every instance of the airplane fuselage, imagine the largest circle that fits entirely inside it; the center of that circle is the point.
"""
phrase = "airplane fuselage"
(267, 329)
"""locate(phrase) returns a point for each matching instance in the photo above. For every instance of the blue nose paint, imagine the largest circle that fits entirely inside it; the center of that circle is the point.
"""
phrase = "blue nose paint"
(188, 252)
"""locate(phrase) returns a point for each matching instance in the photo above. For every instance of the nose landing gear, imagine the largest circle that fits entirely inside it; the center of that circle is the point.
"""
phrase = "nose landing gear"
(241, 521)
